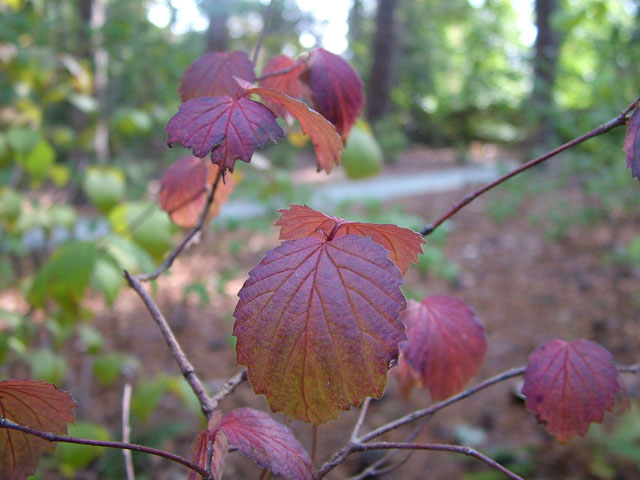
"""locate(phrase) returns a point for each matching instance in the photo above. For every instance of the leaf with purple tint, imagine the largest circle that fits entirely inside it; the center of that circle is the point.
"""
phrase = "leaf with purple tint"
(632, 144)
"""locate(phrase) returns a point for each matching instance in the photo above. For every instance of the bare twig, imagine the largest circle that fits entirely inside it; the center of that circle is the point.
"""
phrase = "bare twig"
(185, 366)
(54, 437)
(440, 448)
(166, 264)
(126, 431)
(265, 21)
(629, 368)
(228, 388)
(209, 457)
(360, 422)
(605, 127)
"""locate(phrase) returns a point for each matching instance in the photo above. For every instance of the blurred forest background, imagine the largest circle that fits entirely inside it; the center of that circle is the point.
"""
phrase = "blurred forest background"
(87, 87)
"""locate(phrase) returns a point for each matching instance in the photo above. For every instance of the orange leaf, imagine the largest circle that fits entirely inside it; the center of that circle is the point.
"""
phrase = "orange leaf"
(287, 83)
(326, 140)
(35, 404)
(300, 221)
(317, 325)
(185, 185)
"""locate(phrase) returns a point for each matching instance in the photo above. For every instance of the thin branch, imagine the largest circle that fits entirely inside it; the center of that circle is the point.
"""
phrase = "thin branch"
(126, 431)
(181, 359)
(166, 264)
(209, 457)
(440, 448)
(282, 71)
(360, 422)
(53, 437)
(629, 368)
(514, 372)
(265, 21)
(605, 127)
(228, 388)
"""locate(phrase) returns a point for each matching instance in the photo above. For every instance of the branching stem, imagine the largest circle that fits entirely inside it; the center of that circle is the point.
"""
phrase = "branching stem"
(54, 437)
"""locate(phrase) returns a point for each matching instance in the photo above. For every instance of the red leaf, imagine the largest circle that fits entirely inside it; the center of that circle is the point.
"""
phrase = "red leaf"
(406, 376)
(271, 444)
(632, 144)
(326, 141)
(212, 75)
(336, 89)
(287, 83)
(300, 221)
(35, 404)
(568, 385)
(317, 325)
(220, 445)
(230, 129)
(185, 186)
(446, 343)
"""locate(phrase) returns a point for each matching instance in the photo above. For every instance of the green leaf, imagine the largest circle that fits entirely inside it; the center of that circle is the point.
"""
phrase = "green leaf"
(65, 276)
(146, 396)
(127, 254)
(46, 365)
(107, 277)
(91, 338)
(39, 160)
(22, 140)
(108, 367)
(73, 457)
(105, 187)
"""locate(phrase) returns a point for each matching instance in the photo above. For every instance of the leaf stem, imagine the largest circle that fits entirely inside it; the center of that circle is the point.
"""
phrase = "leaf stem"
(186, 368)
(265, 21)
(168, 261)
(53, 437)
(282, 71)
(467, 199)
(228, 388)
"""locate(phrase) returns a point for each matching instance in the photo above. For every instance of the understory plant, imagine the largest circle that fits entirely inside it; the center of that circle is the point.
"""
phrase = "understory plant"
(321, 320)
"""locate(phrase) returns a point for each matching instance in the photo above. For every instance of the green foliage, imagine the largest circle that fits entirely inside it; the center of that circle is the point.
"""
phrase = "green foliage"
(72, 457)
(105, 187)
(46, 365)
(362, 157)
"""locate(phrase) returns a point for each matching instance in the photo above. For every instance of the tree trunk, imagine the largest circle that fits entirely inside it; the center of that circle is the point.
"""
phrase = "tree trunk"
(384, 46)
(544, 69)
(217, 33)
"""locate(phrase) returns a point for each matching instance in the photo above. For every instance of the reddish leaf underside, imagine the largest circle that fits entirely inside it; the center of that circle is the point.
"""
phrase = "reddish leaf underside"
(185, 186)
(271, 444)
(287, 83)
(336, 89)
(445, 343)
(212, 75)
(35, 404)
(231, 129)
(632, 144)
(300, 221)
(406, 376)
(220, 448)
(326, 141)
(568, 385)
(317, 325)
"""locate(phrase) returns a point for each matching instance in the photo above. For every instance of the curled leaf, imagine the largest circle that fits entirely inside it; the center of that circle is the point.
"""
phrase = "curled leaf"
(568, 385)
(287, 83)
(231, 129)
(445, 343)
(215, 437)
(35, 404)
(326, 141)
(317, 325)
(212, 75)
(271, 444)
(300, 221)
(336, 89)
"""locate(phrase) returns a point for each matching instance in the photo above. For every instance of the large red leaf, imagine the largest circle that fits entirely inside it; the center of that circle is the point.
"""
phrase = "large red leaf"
(336, 89)
(287, 83)
(230, 129)
(568, 385)
(300, 221)
(317, 325)
(185, 186)
(35, 404)
(214, 435)
(632, 144)
(212, 75)
(326, 141)
(445, 343)
(271, 444)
